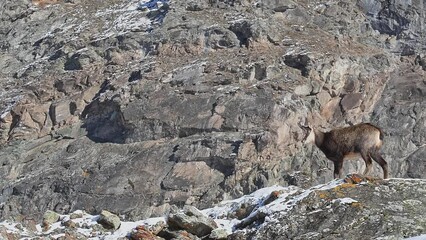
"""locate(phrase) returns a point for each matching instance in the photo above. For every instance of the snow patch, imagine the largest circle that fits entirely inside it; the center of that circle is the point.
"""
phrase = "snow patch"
(255, 198)
(127, 227)
(344, 200)
(420, 237)
(12, 102)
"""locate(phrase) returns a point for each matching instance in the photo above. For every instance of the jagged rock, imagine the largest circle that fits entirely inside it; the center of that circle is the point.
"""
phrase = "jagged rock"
(303, 90)
(272, 197)
(49, 218)
(109, 220)
(178, 235)
(299, 61)
(218, 233)
(76, 215)
(141, 233)
(72, 235)
(8, 235)
(380, 209)
(244, 210)
(196, 5)
(30, 224)
(156, 228)
(69, 224)
(60, 112)
(191, 220)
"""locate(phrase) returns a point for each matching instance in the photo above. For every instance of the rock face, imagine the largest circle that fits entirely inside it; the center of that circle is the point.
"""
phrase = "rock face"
(135, 106)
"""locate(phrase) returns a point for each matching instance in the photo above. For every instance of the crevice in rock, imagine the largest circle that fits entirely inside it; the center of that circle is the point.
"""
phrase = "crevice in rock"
(260, 142)
(52, 114)
(56, 55)
(104, 122)
(186, 132)
(213, 111)
(16, 119)
(242, 30)
(73, 63)
(236, 147)
(173, 157)
(299, 61)
(223, 165)
(135, 76)
(73, 108)
(259, 72)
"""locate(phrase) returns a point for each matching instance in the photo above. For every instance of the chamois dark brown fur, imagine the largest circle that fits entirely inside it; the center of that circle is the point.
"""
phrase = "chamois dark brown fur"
(362, 139)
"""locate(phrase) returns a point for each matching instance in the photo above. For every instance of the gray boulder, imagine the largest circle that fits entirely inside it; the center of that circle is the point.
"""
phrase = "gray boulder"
(109, 220)
(50, 217)
(219, 234)
(192, 220)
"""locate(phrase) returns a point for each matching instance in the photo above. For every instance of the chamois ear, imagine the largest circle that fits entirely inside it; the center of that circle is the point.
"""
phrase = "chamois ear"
(310, 137)
(318, 137)
(317, 132)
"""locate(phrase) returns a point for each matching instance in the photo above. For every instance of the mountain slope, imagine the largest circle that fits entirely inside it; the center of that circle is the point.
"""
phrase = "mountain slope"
(135, 106)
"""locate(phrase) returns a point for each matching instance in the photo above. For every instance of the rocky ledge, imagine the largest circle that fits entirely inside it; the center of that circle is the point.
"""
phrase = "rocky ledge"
(354, 208)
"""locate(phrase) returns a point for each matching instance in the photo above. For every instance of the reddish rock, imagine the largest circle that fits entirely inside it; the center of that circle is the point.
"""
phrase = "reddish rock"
(357, 178)
(141, 233)
(244, 210)
(156, 228)
(69, 224)
(4, 234)
(274, 195)
(354, 179)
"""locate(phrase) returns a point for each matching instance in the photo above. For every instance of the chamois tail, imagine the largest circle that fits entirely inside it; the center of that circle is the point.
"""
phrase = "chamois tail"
(382, 135)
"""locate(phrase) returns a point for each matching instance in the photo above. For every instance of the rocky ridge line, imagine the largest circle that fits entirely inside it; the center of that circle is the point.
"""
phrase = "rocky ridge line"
(354, 208)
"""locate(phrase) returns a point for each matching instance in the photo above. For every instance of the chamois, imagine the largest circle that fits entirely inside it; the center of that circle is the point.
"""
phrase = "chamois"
(362, 139)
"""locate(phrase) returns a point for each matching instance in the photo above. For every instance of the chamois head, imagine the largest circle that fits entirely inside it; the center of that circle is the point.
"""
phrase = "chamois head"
(315, 136)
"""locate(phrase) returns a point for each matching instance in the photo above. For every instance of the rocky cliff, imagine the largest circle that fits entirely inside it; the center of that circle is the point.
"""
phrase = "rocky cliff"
(134, 106)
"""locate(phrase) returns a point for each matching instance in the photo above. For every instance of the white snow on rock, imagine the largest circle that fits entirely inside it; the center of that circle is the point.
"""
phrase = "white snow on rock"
(344, 200)
(221, 210)
(420, 237)
(86, 223)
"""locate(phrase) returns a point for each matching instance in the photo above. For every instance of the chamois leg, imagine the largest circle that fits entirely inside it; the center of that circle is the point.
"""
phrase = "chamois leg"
(379, 159)
(368, 163)
(338, 165)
